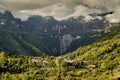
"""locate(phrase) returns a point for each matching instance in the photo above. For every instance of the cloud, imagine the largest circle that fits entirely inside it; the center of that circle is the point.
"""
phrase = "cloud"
(60, 8)
(38, 4)
(26, 4)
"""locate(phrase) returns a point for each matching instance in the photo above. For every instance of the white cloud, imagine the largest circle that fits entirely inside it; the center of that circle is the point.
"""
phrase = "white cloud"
(59, 8)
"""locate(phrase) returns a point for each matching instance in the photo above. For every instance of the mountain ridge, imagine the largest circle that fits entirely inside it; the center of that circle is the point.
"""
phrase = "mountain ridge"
(46, 30)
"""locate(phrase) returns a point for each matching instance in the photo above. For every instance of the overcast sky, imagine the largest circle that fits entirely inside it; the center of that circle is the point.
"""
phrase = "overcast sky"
(60, 9)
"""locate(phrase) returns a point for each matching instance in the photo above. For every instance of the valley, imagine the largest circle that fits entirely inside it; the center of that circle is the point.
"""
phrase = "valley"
(51, 36)
(99, 60)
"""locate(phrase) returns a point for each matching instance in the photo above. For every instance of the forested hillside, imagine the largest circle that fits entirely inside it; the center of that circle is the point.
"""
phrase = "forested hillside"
(20, 44)
(97, 61)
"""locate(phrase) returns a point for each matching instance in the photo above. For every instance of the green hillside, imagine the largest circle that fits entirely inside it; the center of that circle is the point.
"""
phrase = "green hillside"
(102, 57)
(97, 61)
(19, 43)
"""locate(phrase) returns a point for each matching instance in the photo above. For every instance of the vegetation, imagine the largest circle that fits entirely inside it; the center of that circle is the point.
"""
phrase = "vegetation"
(16, 43)
(97, 61)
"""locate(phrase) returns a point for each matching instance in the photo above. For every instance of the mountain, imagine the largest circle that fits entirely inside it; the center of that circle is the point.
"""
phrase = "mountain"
(97, 61)
(15, 41)
(57, 37)
(72, 30)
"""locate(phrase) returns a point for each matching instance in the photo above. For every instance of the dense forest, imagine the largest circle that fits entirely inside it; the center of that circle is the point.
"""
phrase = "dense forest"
(97, 61)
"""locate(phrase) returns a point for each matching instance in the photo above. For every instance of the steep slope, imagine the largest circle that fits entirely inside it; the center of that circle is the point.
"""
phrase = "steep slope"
(101, 60)
(20, 44)
(16, 41)
(76, 29)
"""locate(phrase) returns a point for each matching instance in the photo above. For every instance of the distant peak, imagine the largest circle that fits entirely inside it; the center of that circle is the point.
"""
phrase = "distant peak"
(8, 14)
(49, 18)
